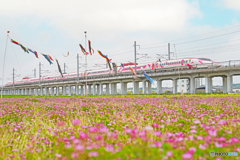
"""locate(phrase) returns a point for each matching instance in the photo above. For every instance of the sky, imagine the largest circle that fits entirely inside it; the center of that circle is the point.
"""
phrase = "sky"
(194, 28)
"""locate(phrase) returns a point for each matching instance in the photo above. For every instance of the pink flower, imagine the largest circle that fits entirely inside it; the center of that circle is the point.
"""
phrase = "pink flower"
(222, 122)
(187, 156)
(212, 132)
(191, 137)
(60, 123)
(157, 133)
(68, 146)
(233, 140)
(79, 147)
(76, 141)
(82, 135)
(196, 121)
(58, 155)
(75, 122)
(155, 125)
(218, 158)
(218, 145)
(65, 139)
(103, 129)
(93, 154)
(148, 128)
(72, 138)
(109, 148)
(221, 139)
(193, 131)
(46, 142)
(128, 130)
(191, 150)
(169, 154)
(157, 144)
(179, 134)
(201, 146)
(92, 129)
(97, 138)
(199, 138)
(142, 133)
(74, 155)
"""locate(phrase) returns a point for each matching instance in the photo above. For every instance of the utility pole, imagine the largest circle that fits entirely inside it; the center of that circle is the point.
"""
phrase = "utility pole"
(13, 78)
(4, 62)
(86, 60)
(39, 73)
(64, 68)
(168, 51)
(35, 75)
(135, 54)
(77, 68)
(13, 83)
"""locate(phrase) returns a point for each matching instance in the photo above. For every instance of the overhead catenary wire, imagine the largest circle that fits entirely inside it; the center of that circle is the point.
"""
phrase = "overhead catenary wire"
(174, 40)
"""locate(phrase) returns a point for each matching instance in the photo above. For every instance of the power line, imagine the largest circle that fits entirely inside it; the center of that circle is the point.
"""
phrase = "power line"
(209, 45)
(194, 36)
(208, 37)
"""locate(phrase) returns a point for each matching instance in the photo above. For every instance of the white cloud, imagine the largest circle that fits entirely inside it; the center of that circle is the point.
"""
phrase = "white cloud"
(233, 4)
(106, 15)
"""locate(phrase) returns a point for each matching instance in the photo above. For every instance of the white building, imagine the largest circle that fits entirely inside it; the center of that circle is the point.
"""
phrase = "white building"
(184, 85)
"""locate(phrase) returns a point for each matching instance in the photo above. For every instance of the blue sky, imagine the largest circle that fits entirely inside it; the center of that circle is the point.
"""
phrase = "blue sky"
(56, 28)
(215, 14)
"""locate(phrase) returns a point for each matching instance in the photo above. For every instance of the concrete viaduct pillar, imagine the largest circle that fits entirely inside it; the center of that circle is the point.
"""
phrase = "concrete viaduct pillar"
(174, 84)
(149, 87)
(77, 90)
(112, 88)
(98, 89)
(89, 89)
(159, 86)
(82, 88)
(46, 91)
(101, 89)
(135, 87)
(52, 91)
(57, 90)
(94, 89)
(192, 85)
(36, 91)
(229, 83)
(107, 88)
(207, 84)
(224, 79)
(122, 88)
(63, 90)
(144, 87)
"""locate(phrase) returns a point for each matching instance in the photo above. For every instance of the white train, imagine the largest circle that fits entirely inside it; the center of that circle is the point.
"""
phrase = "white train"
(185, 63)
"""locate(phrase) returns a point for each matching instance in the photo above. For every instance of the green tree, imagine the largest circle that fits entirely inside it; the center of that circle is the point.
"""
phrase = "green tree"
(129, 92)
(166, 91)
(153, 92)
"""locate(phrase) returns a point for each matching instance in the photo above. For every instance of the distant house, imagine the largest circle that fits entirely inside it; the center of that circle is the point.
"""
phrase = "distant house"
(236, 90)
(214, 90)
(200, 90)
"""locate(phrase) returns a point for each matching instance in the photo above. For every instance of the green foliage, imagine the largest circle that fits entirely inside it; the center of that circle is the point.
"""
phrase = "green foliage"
(153, 92)
(129, 92)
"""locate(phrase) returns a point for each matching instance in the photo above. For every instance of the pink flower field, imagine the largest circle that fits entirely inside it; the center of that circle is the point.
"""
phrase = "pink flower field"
(119, 128)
